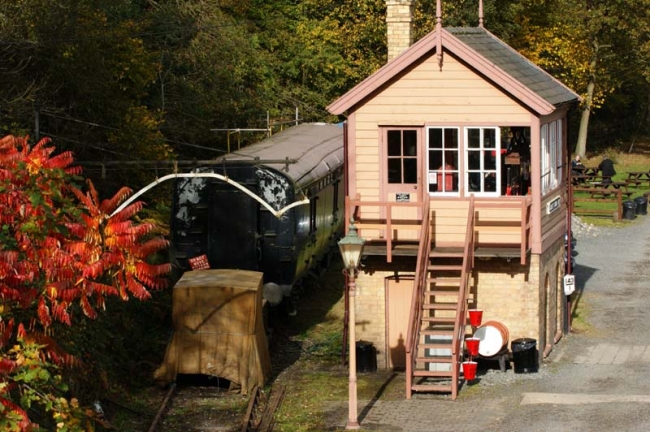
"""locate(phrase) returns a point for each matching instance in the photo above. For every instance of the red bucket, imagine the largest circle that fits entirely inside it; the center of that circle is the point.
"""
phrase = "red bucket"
(469, 370)
(472, 346)
(475, 317)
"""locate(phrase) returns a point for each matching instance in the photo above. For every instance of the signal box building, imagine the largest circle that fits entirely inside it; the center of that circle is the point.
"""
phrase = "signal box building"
(456, 170)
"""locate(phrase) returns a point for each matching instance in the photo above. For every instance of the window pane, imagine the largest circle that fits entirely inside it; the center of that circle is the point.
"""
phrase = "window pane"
(435, 187)
(435, 138)
(474, 138)
(394, 143)
(435, 159)
(474, 160)
(489, 138)
(490, 162)
(410, 143)
(394, 170)
(410, 170)
(451, 138)
(490, 182)
(474, 182)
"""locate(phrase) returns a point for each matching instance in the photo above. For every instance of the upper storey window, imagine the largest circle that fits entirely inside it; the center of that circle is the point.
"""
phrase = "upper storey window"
(483, 160)
(442, 173)
(402, 152)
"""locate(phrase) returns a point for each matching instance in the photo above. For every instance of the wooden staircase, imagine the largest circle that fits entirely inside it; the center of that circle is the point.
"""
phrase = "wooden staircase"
(437, 324)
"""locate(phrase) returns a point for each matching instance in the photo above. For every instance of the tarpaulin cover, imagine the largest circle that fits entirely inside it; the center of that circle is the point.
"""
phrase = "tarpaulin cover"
(218, 329)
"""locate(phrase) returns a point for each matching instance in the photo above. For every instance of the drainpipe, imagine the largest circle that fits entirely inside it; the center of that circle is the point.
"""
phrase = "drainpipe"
(567, 328)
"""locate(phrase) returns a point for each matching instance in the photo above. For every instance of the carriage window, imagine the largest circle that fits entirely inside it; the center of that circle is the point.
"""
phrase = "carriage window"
(402, 152)
(313, 206)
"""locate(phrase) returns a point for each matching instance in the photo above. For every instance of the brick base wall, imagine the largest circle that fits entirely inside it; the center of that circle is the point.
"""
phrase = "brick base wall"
(528, 300)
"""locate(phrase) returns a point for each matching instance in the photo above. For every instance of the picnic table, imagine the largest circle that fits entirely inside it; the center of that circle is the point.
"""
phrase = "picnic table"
(598, 186)
(636, 178)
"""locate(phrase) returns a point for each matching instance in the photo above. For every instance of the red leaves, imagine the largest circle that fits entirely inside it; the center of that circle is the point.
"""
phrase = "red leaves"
(87, 309)
(52, 350)
(44, 313)
(7, 366)
(6, 332)
(24, 422)
(136, 288)
(94, 270)
(56, 253)
(109, 205)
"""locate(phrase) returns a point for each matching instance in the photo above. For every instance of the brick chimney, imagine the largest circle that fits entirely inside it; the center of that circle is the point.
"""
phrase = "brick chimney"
(399, 26)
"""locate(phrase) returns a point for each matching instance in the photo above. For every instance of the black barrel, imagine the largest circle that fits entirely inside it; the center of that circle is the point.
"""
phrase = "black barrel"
(629, 210)
(641, 205)
(366, 357)
(524, 355)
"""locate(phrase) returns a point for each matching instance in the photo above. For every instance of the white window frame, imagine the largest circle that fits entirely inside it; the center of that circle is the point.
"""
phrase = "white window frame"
(551, 140)
(481, 151)
(561, 160)
(545, 159)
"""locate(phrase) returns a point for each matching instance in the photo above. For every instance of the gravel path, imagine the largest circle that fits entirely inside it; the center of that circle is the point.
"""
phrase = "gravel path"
(597, 380)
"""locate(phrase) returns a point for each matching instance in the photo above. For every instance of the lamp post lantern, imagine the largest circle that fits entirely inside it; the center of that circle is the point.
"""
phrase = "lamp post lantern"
(351, 247)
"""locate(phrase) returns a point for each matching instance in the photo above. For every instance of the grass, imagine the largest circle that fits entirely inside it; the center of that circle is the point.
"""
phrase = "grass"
(624, 162)
(580, 312)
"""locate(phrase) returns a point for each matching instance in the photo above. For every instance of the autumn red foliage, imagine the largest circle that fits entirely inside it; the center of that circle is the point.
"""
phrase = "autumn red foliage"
(61, 248)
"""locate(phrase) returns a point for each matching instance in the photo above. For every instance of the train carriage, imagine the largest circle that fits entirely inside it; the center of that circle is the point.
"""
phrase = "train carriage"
(236, 231)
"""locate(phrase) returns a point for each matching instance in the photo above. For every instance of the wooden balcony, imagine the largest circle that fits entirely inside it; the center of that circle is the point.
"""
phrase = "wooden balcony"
(501, 226)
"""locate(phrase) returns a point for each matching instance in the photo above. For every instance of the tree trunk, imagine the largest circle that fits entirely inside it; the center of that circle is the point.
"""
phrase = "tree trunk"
(581, 145)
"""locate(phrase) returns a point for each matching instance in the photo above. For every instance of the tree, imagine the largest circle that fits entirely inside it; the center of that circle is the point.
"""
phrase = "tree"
(61, 251)
(587, 45)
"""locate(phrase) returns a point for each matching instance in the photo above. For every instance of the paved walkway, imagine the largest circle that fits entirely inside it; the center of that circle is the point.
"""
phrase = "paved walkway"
(595, 381)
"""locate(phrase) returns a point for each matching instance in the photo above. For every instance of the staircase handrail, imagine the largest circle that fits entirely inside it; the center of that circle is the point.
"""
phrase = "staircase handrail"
(463, 292)
(424, 249)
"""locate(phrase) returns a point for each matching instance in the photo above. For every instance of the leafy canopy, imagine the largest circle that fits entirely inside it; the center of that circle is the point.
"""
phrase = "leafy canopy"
(60, 252)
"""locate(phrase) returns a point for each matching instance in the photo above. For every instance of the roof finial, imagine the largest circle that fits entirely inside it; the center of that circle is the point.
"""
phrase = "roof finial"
(480, 13)
(439, 31)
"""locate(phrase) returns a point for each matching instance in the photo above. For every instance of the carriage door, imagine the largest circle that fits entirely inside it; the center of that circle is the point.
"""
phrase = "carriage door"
(233, 229)
(402, 180)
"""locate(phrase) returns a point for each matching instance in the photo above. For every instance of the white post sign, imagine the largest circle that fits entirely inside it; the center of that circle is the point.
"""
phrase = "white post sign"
(569, 284)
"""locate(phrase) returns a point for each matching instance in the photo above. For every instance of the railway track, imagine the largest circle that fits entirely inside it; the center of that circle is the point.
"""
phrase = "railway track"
(259, 415)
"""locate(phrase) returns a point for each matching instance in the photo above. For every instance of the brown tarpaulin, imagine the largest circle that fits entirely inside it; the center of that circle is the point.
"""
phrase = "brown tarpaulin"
(218, 329)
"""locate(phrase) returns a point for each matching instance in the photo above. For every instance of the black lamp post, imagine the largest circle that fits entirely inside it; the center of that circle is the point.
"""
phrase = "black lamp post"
(351, 247)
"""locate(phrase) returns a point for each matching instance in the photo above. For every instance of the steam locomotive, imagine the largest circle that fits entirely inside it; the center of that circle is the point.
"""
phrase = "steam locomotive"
(239, 223)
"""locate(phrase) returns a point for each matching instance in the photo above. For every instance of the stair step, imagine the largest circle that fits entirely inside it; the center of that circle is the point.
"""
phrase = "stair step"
(445, 281)
(428, 373)
(439, 306)
(447, 252)
(440, 267)
(434, 333)
(437, 332)
(436, 282)
(432, 388)
(442, 320)
(434, 346)
(449, 292)
(434, 359)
